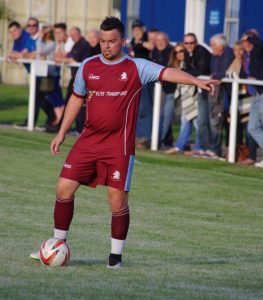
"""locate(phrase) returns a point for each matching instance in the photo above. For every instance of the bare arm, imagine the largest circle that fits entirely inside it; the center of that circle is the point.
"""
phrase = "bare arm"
(148, 45)
(73, 107)
(178, 76)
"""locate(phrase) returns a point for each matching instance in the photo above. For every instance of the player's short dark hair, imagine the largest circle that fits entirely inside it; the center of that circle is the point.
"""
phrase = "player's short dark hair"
(14, 24)
(111, 23)
(61, 26)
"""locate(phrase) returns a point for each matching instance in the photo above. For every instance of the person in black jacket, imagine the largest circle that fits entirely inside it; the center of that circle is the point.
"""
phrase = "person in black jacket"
(197, 62)
(161, 55)
(140, 48)
(80, 51)
(253, 69)
(219, 103)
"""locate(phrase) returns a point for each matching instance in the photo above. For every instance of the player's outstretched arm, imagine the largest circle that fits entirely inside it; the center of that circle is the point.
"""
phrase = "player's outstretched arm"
(178, 76)
(72, 109)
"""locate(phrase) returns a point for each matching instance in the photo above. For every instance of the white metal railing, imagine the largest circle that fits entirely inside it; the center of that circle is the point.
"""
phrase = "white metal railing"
(37, 68)
(235, 81)
(40, 68)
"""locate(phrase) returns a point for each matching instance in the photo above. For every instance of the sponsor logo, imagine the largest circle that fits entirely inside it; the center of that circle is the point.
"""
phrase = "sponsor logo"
(116, 176)
(94, 77)
(123, 76)
(67, 166)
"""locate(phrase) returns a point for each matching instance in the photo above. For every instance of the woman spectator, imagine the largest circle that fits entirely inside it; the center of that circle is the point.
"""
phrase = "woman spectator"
(235, 68)
(50, 85)
(188, 96)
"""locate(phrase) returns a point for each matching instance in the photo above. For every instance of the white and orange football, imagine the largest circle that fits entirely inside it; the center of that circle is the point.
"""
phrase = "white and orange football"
(54, 252)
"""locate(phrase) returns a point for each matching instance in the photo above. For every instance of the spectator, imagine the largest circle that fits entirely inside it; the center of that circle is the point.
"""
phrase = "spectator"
(93, 38)
(253, 69)
(235, 67)
(78, 53)
(140, 48)
(64, 42)
(50, 85)
(25, 47)
(160, 55)
(162, 50)
(222, 56)
(197, 62)
(23, 44)
(63, 46)
(151, 37)
(188, 96)
(33, 28)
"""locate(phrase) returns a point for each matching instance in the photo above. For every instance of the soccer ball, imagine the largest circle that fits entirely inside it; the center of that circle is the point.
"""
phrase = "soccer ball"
(54, 252)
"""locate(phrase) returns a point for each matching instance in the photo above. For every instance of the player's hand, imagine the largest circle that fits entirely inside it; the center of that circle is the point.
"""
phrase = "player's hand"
(55, 143)
(208, 85)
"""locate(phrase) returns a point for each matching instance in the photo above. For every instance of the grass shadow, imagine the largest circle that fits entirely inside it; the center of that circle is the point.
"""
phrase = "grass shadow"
(86, 262)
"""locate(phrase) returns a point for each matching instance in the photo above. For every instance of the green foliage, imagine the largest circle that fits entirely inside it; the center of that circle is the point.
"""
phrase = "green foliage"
(4, 11)
(196, 228)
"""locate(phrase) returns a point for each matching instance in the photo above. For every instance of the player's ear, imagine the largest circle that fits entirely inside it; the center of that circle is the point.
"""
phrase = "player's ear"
(123, 42)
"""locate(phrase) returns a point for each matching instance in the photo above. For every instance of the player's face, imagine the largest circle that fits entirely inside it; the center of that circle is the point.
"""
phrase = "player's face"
(111, 44)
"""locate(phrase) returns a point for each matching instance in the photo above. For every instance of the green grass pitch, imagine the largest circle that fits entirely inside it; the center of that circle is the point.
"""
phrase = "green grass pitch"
(196, 229)
(196, 225)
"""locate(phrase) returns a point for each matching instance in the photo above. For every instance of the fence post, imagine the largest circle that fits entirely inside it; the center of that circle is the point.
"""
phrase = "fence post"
(156, 115)
(32, 92)
(233, 121)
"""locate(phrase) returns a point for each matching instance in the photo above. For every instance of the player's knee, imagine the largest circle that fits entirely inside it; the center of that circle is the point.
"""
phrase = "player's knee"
(64, 191)
(118, 207)
(118, 203)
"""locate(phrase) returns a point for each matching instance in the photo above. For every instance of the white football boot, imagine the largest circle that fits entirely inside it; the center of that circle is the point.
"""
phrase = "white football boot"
(35, 255)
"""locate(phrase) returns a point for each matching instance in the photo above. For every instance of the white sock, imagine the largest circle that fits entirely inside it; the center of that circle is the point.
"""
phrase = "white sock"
(117, 246)
(60, 234)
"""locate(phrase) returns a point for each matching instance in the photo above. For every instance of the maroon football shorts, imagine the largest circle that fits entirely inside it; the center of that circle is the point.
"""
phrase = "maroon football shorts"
(93, 168)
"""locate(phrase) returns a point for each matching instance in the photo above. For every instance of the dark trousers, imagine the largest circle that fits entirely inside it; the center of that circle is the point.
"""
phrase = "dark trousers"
(42, 103)
(81, 117)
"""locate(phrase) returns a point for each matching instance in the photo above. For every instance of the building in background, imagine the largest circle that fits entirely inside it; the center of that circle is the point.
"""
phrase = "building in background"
(203, 17)
(85, 14)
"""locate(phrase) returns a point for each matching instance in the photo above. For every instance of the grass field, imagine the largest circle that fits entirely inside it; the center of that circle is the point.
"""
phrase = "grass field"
(196, 225)
(196, 229)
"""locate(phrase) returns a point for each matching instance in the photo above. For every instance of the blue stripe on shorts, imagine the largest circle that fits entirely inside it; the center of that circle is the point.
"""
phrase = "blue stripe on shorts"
(129, 174)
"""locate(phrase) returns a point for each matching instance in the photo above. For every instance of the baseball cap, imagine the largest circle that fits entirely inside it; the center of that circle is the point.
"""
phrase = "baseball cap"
(137, 23)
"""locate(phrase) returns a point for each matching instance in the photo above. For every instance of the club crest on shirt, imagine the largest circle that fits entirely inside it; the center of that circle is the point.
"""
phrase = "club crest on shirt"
(123, 76)
(116, 175)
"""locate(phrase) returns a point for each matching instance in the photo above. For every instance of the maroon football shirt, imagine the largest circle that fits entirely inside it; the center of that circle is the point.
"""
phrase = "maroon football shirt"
(112, 91)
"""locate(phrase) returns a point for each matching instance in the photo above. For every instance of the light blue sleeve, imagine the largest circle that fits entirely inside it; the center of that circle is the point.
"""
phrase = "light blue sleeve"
(148, 70)
(79, 86)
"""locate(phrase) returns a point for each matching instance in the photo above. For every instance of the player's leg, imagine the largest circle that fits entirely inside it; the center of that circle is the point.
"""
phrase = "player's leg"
(118, 201)
(64, 208)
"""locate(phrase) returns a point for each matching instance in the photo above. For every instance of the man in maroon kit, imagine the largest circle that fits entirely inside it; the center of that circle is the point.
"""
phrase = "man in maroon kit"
(111, 84)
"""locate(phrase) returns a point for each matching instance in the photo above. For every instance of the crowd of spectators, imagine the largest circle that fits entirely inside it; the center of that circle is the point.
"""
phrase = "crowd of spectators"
(53, 43)
(209, 115)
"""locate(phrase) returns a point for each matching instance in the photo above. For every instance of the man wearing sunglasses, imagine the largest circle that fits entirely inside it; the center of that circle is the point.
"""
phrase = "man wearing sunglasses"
(33, 28)
(197, 62)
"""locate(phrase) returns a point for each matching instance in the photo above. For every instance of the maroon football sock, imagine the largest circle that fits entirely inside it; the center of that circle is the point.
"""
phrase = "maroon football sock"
(120, 224)
(63, 213)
